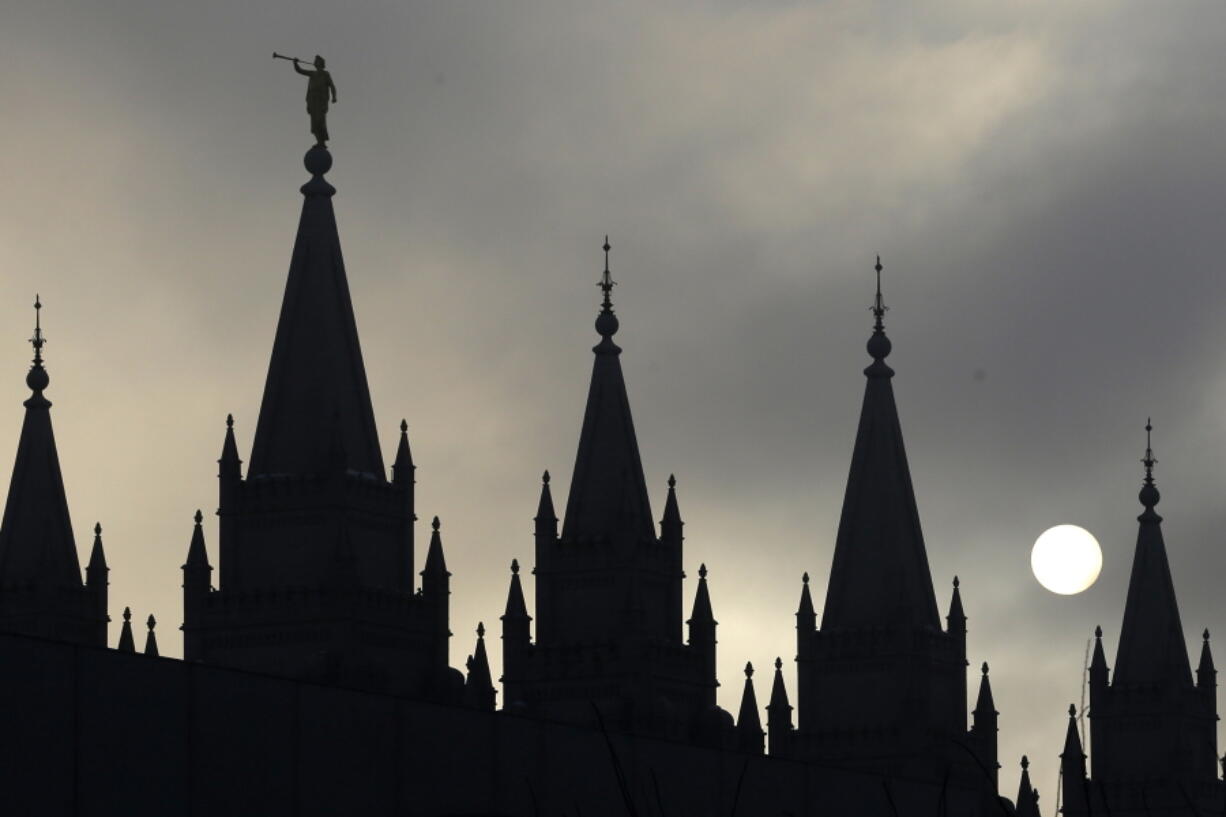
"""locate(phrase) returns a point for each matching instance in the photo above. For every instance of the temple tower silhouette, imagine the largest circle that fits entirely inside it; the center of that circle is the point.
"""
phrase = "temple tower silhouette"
(609, 588)
(881, 684)
(41, 592)
(1153, 730)
(316, 556)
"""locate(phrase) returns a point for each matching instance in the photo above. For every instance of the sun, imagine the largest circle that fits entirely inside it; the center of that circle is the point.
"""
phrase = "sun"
(1066, 559)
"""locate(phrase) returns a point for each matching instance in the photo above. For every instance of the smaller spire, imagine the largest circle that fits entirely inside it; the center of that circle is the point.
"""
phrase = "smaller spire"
(1027, 796)
(436, 566)
(806, 616)
(1072, 741)
(1098, 664)
(197, 554)
(985, 706)
(546, 519)
(516, 610)
(97, 558)
(702, 614)
(478, 687)
(956, 620)
(671, 525)
(1205, 671)
(778, 711)
(229, 466)
(748, 721)
(126, 642)
(151, 641)
(402, 468)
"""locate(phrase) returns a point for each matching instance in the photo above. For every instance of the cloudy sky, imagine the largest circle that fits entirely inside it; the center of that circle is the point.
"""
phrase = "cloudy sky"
(1045, 183)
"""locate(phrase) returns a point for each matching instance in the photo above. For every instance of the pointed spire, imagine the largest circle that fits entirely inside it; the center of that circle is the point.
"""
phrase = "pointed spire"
(436, 565)
(880, 574)
(1152, 648)
(229, 465)
(985, 707)
(546, 520)
(701, 612)
(749, 733)
(608, 493)
(671, 525)
(1205, 671)
(778, 711)
(126, 642)
(97, 558)
(478, 687)
(37, 548)
(806, 617)
(403, 467)
(516, 609)
(151, 641)
(1074, 786)
(316, 370)
(197, 555)
(1098, 664)
(1027, 795)
(956, 620)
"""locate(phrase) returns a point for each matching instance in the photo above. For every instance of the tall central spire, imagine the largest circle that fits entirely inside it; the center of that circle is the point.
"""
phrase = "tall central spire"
(880, 574)
(316, 396)
(1152, 647)
(608, 493)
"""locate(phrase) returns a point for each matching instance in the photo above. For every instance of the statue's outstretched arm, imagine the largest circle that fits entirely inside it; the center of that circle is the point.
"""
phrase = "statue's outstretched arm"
(302, 70)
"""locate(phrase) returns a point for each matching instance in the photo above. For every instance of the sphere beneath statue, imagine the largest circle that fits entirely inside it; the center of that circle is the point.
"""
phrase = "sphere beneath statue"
(318, 160)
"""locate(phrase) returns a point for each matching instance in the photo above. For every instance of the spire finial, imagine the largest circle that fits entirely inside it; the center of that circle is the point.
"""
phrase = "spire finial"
(984, 668)
(38, 379)
(199, 517)
(1098, 631)
(1205, 634)
(879, 345)
(127, 614)
(956, 584)
(606, 280)
(672, 481)
(435, 523)
(702, 570)
(229, 421)
(778, 663)
(606, 321)
(38, 340)
(404, 426)
(1072, 711)
(480, 629)
(1149, 495)
(515, 567)
(1025, 763)
(879, 307)
(748, 669)
(805, 578)
(152, 622)
(98, 532)
(545, 477)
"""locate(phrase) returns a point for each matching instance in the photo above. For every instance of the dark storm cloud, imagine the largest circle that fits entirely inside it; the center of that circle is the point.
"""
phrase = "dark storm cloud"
(1045, 185)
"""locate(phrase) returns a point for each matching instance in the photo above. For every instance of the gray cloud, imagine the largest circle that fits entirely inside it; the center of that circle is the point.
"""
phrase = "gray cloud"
(1045, 185)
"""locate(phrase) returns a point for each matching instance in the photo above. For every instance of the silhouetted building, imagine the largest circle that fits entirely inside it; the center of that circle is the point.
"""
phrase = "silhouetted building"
(316, 676)
(315, 547)
(608, 589)
(41, 592)
(881, 685)
(1153, 731)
